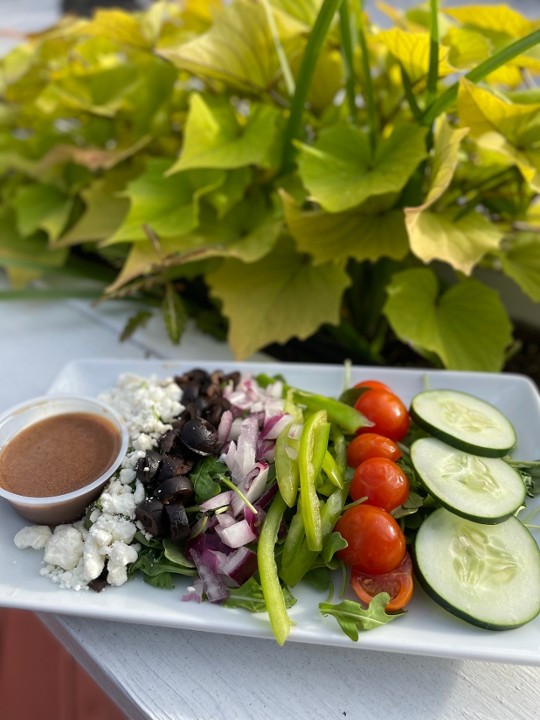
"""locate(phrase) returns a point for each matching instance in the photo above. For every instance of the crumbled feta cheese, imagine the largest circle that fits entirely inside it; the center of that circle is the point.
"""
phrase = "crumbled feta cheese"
(126, 476)
(65, 547)
(118, 504)
(120, 556)
(32, 536)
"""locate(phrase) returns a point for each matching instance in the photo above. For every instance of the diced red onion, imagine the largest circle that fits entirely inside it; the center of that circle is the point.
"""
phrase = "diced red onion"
(224, 427)
(194, 593)
(242, 461)
(239, 566)
(213, 586)
(275, 425)
(266, 450)
(221, 500)
(236, 535)
(267, 497)
(225, 519)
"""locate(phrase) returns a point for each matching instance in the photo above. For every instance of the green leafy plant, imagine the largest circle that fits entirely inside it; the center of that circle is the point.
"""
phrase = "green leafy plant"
(279, 170)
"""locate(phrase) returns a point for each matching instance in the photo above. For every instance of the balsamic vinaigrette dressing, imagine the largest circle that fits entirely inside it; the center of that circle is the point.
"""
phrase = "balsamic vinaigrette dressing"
(58, 455)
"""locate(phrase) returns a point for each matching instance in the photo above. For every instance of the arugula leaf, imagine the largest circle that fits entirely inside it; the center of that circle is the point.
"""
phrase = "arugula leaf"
(249, 596)
(157, 569)
(334, 542)
(206, 476)
(352, 617)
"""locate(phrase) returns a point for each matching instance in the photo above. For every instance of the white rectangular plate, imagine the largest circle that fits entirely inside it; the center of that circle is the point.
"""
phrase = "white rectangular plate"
(426, 629)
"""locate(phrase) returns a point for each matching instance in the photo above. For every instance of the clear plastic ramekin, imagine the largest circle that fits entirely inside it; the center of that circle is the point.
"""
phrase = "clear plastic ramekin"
(58, 509)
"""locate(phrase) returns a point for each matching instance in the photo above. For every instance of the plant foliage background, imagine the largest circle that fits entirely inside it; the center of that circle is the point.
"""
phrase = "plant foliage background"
(280, 169)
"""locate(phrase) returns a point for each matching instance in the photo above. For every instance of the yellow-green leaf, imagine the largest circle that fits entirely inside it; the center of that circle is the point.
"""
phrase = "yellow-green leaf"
(461, 243)
(444, 160)
(230, 192)
(238, 49)
(216, 136)
(304, 10)
(521, 262)
(105, 210)
(497, 18)
(466, 326)
(41, 207)
(329, 73)
(411, 50)
(248, 233)
(278, 298)
(484, 112)
(122, 27)
(354, 234)
(467, 47)
(169, 205)
(25, 258)
(340, 173)
(510, 129)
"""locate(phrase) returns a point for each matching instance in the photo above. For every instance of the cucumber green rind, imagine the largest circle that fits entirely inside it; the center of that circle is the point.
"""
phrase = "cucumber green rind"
(487, 443)
(491, 604)
(478, 488)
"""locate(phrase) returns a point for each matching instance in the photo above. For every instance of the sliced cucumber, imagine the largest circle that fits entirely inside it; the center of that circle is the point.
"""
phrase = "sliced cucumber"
(486, 490)
(488, 575)
(464, 421)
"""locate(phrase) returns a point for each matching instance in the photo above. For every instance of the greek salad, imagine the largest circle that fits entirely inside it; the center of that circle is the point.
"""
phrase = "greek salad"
(248, 486)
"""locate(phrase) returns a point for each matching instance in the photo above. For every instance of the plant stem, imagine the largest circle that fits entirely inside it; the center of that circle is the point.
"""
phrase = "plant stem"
(367, 85)
(489, 185)
(409, 94)
(347, 51)
(305, 73)
(283, 62)
(444, 101)
(433, 72)
(39, 294)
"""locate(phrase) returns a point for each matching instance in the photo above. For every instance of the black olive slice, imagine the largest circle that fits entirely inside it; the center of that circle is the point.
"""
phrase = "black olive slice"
(100, 583)
(147, 466)
(175, 489)
(171, 466)
(200, 437)
(152, 516)
(179, 529)
(169, 441)
(215, 409)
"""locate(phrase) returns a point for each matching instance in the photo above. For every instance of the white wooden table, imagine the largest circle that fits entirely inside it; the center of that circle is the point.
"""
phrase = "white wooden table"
(163, 674)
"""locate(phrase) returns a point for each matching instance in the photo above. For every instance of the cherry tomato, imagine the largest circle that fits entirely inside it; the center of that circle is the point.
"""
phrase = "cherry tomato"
(376, 543)
(373, 385)
(382, 482)
(398, 584)
(369, 445)
(386, 411)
